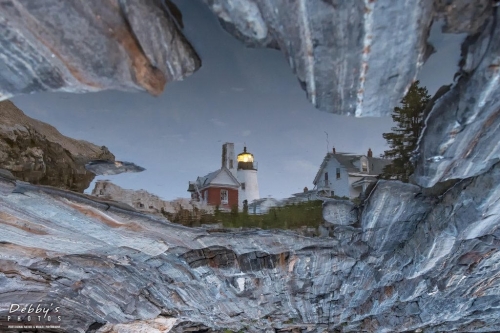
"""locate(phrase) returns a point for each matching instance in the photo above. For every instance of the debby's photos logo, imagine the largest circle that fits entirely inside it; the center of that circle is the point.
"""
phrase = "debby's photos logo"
(34, 316)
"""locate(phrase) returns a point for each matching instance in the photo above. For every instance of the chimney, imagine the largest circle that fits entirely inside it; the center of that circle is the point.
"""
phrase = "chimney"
(224, 155)
(306, 189)
(370, 153)
(228, 157)
(333, 150)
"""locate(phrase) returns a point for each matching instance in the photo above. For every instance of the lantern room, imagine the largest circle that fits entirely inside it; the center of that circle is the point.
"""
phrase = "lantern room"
(245, 161)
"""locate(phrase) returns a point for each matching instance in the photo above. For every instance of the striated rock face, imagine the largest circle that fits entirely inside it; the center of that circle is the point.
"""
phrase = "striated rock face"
(409, 259)
(461, 136)
(340, 212)
(37, 153)
(338, 49)
(106, 167)
(157, 325)
(391, 215)
(76, 46)
(413, 267)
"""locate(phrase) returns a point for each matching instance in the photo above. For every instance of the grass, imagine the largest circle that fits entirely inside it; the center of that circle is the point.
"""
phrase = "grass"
(294, 216)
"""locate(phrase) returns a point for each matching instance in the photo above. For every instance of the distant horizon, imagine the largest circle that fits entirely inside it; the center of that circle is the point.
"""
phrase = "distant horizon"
(95, 181)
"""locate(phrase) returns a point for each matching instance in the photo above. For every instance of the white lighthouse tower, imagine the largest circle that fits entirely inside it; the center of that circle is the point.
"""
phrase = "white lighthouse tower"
(247, 177)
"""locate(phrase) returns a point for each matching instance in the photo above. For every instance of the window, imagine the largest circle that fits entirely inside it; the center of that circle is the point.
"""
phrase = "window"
(140, 205)
(151, 207)
(242, 186)
(223, 197)
(338, 173)
(364, 166)
(326, 178)
(230, 164)
(101, 192)
(206, 195)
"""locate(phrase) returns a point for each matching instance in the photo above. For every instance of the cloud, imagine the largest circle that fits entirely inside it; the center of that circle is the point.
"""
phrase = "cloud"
(217, 122)
(246, 133)
(237, 89)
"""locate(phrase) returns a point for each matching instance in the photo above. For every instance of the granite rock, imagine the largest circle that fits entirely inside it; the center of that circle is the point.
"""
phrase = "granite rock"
(338, 49)
(107, 167)
(157, 325)
(391, 214)
(464, 16)
(436, 272)
(340, 212)
(82, 46)
(36, 152)
(145, 201)
(461, 137)
(413, 259)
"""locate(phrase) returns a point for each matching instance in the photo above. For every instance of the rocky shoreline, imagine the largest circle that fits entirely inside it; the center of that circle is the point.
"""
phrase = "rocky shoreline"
(37, 153)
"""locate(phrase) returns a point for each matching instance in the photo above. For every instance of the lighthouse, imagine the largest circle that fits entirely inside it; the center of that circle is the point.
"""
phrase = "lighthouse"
(247, 177)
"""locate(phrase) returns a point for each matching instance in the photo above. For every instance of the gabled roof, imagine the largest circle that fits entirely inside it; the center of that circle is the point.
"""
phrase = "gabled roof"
(208, 179)
(346, 160)
(321, 167)
(201, 181)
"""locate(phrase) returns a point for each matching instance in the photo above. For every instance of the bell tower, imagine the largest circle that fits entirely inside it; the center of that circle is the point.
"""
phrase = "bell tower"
(247, 177)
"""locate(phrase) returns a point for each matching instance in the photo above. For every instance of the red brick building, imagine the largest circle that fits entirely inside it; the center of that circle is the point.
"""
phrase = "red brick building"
(218, 188)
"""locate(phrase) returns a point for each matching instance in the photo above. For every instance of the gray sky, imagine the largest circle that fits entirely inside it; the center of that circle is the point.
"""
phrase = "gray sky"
(239, 95)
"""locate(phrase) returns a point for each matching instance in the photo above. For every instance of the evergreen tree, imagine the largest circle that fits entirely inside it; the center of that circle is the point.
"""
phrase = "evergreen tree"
(403, 138)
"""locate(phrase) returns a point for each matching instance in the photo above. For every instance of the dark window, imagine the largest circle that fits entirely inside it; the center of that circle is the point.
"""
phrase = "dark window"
(242, 186)
(326, 175)
(101, 192)
(224, 197)
(151, 207)
(140, 205)
(338, 173)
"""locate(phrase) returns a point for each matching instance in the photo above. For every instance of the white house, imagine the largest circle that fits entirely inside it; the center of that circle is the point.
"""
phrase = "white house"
(347, 175)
